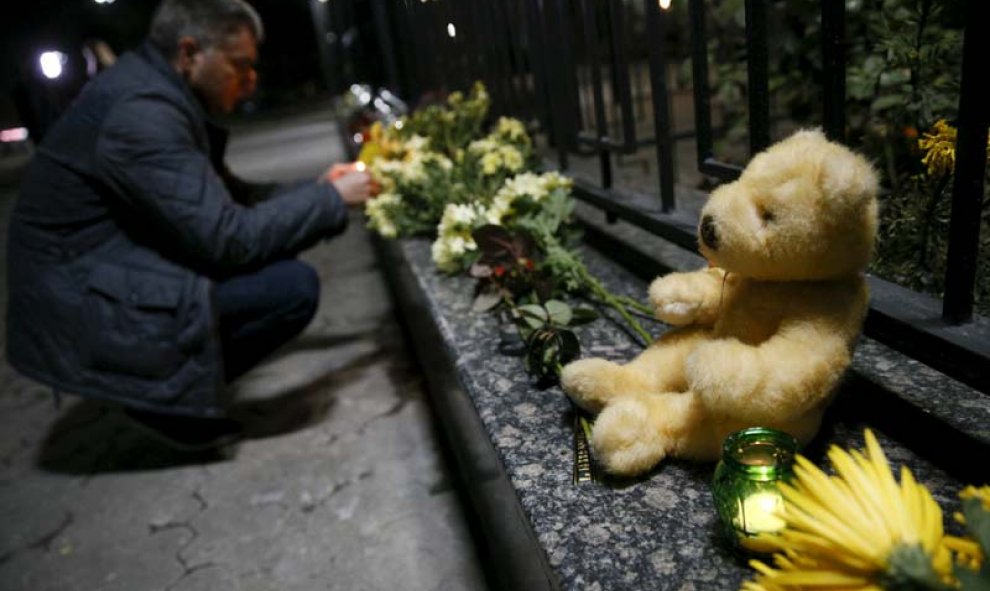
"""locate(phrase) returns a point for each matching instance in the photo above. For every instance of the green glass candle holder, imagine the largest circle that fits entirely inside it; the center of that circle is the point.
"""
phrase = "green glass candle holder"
(745, 489)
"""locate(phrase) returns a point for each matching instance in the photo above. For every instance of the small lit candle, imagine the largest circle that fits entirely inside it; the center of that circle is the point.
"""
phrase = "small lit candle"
(745, 489)
(758, 513)
(359, 166)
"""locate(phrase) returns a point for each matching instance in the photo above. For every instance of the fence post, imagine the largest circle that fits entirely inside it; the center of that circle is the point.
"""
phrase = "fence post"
(971, 162)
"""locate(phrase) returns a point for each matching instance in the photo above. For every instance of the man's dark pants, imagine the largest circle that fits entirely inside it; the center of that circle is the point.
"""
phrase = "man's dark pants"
(260, 311)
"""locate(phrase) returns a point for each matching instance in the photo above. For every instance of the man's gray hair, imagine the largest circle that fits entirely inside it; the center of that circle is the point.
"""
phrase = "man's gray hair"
(206, 21)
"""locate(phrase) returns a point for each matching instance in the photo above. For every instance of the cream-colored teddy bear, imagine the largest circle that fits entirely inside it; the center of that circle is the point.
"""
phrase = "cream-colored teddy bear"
(766, 331)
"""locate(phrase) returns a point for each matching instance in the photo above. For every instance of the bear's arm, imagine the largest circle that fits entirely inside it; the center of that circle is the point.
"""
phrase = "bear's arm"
(782, 378)
(681, 299)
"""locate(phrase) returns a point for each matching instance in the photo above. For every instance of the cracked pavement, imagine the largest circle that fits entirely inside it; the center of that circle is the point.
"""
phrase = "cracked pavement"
(341, 483)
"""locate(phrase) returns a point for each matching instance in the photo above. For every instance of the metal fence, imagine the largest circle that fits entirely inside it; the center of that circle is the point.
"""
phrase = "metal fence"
(594, 77)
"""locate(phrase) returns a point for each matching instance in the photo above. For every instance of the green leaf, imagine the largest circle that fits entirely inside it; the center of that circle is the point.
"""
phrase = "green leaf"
(972, 580)
(583, 316)
(978, 523)
(886, 102)
(485, 301)
(560, 313)
(533, 316)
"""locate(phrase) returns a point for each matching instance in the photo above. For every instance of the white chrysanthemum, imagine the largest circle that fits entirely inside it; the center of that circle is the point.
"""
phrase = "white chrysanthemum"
(490, 163)
(457, 217)
(383, 167)
(513, 129)
(501, 207)
(386, 172)
(442, 256)
(448, 250)
(554, 180)
(454, 235)
(377, 210)
(417, 143)
(526, 183)
(416, 163)
(483, 146)
(511, 157)
(437, 158)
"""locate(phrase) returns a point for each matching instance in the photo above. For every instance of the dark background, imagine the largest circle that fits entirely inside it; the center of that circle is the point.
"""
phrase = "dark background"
(289, 65)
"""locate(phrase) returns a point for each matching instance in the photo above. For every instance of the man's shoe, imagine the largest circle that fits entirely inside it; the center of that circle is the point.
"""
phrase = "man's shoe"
(187, 433)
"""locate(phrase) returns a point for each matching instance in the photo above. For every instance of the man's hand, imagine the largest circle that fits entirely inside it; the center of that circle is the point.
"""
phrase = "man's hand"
(341, 168)
(354, 187)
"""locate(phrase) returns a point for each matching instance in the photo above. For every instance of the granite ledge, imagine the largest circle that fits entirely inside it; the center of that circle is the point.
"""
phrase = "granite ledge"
(657, 532)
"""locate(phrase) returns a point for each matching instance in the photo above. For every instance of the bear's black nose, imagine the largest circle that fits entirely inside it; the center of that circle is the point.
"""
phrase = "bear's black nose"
(709, 235)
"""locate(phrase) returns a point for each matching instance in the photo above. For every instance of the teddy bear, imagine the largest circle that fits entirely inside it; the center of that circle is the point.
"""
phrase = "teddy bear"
(763, 335)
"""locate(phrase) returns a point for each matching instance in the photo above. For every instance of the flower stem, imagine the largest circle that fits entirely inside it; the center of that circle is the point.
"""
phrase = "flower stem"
(636, 305)
(599, 291)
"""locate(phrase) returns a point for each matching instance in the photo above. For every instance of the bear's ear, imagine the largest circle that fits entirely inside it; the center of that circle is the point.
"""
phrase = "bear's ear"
(846, 177)
(812, 133)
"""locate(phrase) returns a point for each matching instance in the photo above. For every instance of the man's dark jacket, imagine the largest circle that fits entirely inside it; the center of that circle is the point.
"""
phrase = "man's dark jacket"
(126, 217)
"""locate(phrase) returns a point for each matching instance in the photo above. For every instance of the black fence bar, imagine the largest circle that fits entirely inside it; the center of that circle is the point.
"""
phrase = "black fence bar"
(655, 28)
(456, 16)
(591, 32)
(620, 75)
(513, 36)
(379, 13)
(420, 20)
(561, 119)
(469, 45)
(498, 70)
(971, 162)
(537, 60)
(834, 66)
(430, 23)
(707, 163)
(757, 58)
(590, 27)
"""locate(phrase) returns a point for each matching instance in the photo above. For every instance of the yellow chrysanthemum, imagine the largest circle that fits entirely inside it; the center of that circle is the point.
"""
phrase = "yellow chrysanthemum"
(939, 146)
(381, 142)
(857, 530)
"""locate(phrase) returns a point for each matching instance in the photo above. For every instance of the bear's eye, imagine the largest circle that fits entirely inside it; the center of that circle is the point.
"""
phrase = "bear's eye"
(767, 216)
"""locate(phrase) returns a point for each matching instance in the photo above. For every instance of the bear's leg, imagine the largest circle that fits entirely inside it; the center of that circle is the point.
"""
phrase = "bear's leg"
(593, 383)
(635, 433)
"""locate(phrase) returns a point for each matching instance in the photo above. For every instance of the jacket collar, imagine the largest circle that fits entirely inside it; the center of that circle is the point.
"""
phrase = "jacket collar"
(215, 134)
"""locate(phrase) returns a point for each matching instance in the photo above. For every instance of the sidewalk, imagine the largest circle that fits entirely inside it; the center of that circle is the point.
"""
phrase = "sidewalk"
(341, 484)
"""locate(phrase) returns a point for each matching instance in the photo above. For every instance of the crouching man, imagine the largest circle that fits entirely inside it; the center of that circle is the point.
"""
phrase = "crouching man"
(140, 270)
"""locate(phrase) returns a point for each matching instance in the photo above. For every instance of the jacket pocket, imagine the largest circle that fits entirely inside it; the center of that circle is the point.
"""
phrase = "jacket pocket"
(132, 321)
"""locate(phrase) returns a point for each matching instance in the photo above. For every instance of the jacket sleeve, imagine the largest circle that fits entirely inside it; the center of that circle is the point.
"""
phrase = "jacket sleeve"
(148, 156)
(247, 192)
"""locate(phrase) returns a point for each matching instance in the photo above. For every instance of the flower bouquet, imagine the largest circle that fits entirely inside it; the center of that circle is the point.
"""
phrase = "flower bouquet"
(494, 216)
